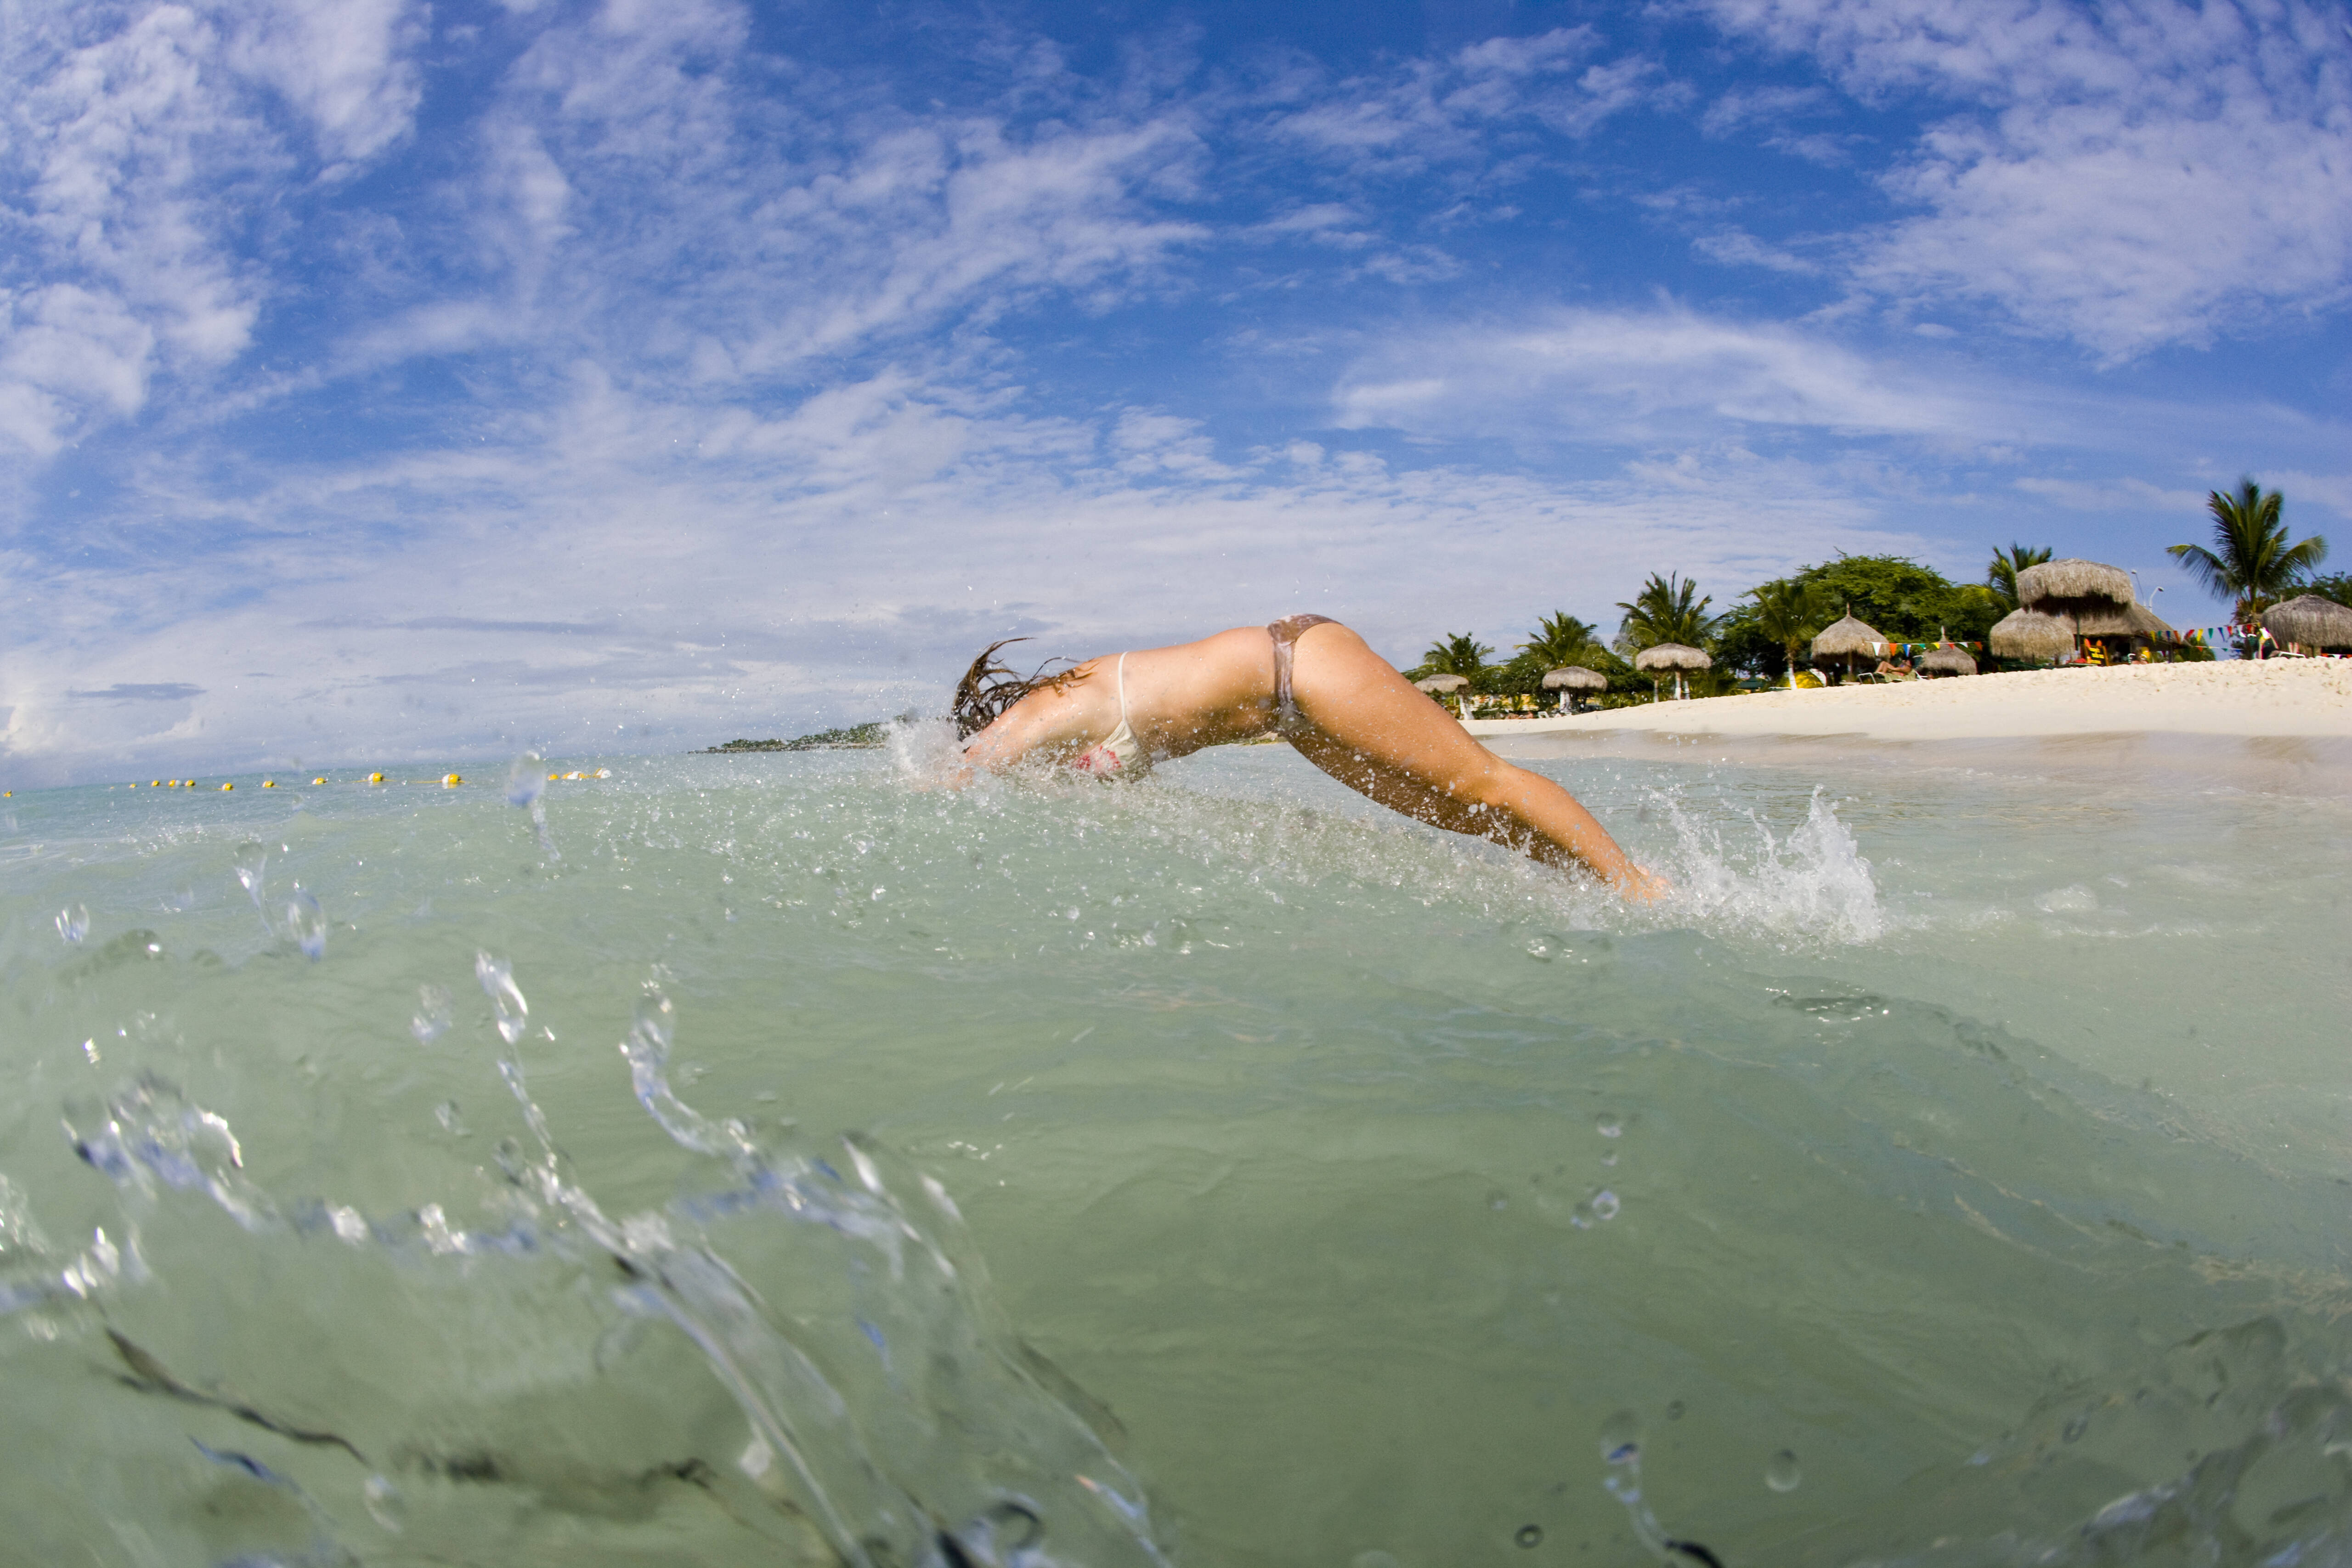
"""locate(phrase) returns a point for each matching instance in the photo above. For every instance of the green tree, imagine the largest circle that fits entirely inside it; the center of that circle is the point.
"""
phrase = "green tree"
(2251, 565)
(1562, 639)
(1457, 653)
(2336, 585)
(2002, 575)
(1668, 610)
(1906, 601)
(1788, 613)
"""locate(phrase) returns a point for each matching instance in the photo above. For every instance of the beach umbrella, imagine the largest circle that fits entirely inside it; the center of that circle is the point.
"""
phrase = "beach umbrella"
(2075, 588)
(1847, 639)
(2030, 635)
(1572, 679)
(2310, 621)
(1443, 685)
(2130, 621)
(1671, 656)
(1946, 661)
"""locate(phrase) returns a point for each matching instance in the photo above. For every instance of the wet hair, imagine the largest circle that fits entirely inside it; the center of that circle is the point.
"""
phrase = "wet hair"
(988, 689)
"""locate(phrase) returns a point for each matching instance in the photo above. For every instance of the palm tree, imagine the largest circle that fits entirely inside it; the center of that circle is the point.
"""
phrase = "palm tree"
(2251, 565)
(1457, 653)
(1789, 613)
(2002, 575)
(1562, 639)
(1663, 612)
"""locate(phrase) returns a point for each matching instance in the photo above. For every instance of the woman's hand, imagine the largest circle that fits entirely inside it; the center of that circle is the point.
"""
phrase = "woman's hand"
(1640, 887)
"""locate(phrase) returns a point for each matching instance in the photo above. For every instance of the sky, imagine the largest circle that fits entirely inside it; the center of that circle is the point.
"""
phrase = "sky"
(381, 380)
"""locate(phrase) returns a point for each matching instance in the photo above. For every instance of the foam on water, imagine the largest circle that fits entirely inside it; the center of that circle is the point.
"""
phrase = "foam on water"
(1878, 1178)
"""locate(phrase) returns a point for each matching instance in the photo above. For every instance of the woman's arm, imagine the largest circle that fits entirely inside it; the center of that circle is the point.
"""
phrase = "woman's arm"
(1053, 719)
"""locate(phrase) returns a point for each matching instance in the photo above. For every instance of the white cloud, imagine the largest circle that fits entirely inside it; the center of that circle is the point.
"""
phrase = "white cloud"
(1735, 246)
(343, 64)
(130, 133)
(2132, 176)
(1425, 112)
(1600, 376)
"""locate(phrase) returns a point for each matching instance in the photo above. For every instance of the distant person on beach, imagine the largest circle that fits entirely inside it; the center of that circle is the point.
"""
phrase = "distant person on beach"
(1311, 681)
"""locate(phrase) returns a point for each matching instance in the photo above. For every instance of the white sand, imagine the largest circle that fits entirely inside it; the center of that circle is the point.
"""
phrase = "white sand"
(2275, 697)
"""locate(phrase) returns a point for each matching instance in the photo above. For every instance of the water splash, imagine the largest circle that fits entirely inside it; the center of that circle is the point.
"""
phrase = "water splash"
(506, 1004)
(251, 863)
(306, 923)
(435, 1013)
(848, 1321)
(1814, 887)
(73, 923)
(527, 788)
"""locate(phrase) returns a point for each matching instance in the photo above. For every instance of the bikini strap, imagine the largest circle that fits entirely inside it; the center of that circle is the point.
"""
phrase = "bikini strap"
(1122, 689)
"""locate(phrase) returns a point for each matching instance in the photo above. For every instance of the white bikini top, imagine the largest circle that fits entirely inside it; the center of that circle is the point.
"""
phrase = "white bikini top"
(1120, 754)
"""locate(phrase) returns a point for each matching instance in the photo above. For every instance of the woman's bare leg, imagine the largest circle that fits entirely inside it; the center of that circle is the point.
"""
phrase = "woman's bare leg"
(1370, 730)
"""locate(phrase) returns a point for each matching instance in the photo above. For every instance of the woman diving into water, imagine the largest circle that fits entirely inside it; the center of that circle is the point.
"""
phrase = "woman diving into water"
(1316, 684)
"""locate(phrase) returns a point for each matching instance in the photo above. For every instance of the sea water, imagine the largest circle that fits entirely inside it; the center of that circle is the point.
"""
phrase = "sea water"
(772, 1159)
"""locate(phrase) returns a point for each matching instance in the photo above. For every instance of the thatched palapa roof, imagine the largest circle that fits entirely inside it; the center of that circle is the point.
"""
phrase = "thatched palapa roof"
(1437, 683)
(1575, 678)
(2030, 634)
(1945, 661)
(2060, 585)
(2122, 621)
(2310, 621)
(1671, 656)
(1845, 638)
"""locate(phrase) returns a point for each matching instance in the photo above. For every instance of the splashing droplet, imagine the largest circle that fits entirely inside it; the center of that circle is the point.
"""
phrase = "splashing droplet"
(526, 780)
(384, 1504)
(73, 923)
(434, 1012)
(1608, 1124)
(1621, 1437)
(1529, 1535)
(251, 859)
(1781, 1473)
(451, 1121)
(306, 923)
(1605, 1205)
(506, 999)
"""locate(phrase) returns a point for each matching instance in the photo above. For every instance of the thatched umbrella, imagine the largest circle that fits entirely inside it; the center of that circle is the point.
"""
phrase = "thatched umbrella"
(1848, 639)
(1946, 661)
(2030, 634)
(1671, 656)
(1443, 684)
(2127, 623)
(2074, 588)
(1572, 679)
(2310, 621)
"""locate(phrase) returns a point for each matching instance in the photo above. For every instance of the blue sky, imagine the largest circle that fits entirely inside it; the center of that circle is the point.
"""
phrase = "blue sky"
(381, 380)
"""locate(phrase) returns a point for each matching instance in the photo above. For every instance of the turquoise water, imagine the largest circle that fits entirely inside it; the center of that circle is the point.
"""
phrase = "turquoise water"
(766, 1158)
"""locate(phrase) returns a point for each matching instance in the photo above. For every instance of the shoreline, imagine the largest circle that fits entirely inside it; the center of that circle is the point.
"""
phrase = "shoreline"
(2274, 699)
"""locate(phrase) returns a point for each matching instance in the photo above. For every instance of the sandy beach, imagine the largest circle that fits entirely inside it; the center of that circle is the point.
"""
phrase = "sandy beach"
(2274, 698)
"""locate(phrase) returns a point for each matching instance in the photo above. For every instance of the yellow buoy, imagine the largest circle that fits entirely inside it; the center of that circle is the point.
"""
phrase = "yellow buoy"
(270, 784)
(319, 779)
(228, 787)
(154, 783)
(451, 781)
(376, 778)
(552, 776)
